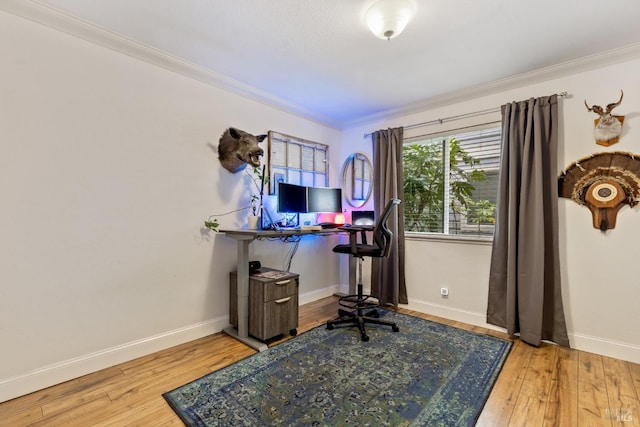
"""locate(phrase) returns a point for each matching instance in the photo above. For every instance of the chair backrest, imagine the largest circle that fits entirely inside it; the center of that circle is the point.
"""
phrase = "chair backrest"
(381, 234)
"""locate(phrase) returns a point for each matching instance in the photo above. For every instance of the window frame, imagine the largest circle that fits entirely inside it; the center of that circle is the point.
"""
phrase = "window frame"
(296, 161)
(490, 128)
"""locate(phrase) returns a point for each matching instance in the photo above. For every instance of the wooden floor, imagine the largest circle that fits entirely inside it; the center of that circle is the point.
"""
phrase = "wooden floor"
(546, 386)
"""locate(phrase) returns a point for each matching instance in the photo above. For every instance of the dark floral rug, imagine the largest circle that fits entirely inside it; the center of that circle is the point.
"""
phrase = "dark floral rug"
(428, 374)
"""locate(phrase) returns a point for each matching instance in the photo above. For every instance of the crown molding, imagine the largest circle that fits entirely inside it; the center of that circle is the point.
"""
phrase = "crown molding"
(43, 14)
(37, 11)
(587, 63)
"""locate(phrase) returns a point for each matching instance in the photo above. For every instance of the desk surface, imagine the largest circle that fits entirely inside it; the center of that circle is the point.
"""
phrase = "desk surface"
(247, 233)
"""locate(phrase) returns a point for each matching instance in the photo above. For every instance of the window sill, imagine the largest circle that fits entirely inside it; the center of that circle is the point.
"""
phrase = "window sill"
(449, 238)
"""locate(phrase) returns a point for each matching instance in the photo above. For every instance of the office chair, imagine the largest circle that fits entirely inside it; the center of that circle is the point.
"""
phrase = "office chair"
(359, 303)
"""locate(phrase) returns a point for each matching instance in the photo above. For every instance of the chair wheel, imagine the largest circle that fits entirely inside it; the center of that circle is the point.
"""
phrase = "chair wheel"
(365, 337)
(329, 326)
(394, 328)
(293, 332)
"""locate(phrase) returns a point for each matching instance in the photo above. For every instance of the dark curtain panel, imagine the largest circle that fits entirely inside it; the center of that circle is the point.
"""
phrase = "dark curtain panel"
(387, 274)
(524, 283)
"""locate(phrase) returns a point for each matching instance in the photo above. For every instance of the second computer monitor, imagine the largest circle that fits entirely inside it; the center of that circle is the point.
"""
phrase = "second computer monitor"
(324, 199)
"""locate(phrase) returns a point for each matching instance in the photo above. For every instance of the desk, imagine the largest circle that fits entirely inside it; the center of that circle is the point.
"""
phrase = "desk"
(244, 238)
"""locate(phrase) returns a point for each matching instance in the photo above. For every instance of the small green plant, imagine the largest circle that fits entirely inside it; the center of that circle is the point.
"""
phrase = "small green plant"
(255, 201)
(213, 225)
(259, 181)
(254, 204)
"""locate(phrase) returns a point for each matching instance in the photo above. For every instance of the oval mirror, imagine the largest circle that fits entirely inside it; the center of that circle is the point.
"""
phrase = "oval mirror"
(357, 177)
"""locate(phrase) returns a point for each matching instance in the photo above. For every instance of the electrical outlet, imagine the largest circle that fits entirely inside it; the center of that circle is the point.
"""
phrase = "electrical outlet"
(444, 292)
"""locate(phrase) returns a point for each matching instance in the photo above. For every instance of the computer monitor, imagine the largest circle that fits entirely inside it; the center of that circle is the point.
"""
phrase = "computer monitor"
(363, 218)
(324, 199)
(292, 198)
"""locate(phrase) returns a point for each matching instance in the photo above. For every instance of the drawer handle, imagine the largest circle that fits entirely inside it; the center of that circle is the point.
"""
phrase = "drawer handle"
(283, 282)
(282, 300)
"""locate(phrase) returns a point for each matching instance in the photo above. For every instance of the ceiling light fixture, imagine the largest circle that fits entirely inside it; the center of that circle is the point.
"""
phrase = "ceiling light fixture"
(387, 18)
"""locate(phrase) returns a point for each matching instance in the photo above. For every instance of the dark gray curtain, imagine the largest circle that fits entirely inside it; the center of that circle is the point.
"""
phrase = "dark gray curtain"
(524, 282)
(387, 274)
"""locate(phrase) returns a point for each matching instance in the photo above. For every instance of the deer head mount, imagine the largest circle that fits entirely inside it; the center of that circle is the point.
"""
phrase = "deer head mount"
(238, 148)
(608, 127)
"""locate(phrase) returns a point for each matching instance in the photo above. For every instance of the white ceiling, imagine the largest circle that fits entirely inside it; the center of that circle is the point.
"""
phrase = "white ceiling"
(318, 58)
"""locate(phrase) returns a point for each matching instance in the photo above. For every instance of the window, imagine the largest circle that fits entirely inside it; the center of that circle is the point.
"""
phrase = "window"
(297, 161)
(457, 196)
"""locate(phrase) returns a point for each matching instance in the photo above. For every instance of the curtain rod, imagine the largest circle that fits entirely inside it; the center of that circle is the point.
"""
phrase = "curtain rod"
(459, 117)
(452, 131)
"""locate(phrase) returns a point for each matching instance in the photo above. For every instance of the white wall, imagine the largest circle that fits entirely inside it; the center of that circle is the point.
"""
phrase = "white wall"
(108, 169)
(600, 283)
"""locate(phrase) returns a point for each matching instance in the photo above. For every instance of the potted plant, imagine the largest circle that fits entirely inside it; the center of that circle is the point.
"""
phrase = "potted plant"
(254, 218)
(259, 180)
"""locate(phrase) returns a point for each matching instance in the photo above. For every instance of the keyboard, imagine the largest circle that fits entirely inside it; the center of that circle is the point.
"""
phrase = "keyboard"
(326, 225)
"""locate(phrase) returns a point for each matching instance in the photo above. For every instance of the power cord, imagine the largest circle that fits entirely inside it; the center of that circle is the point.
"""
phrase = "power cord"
(292, 252)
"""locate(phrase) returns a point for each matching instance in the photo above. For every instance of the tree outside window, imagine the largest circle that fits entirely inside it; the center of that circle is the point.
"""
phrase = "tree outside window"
(457, 196)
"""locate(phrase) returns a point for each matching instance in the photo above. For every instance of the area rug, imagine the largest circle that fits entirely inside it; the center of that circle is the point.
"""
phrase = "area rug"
(428, 374)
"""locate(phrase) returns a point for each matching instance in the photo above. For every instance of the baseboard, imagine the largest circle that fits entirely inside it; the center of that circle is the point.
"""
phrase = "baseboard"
(317, 294)
(605, 347)
(588, 343)
(47, 376)
(456, 314)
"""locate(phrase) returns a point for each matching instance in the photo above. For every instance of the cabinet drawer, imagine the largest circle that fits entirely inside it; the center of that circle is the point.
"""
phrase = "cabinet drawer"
(279, 289)
(275, 317)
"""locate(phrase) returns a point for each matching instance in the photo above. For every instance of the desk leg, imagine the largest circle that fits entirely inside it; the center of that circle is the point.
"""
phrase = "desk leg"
(242, 333)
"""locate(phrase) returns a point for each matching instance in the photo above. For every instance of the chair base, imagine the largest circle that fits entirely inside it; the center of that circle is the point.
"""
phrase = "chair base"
(359, 304)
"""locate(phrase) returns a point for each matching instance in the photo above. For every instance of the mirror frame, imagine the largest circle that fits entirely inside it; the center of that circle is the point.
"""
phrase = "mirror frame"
(348, 178)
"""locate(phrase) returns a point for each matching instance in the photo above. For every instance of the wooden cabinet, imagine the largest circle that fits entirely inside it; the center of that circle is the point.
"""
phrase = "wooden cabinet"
(273, 303)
